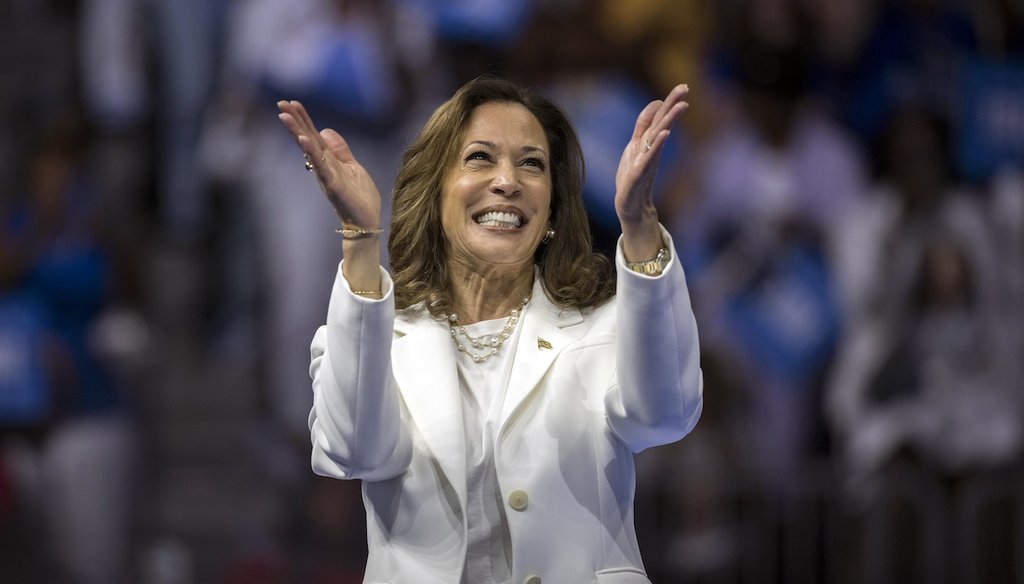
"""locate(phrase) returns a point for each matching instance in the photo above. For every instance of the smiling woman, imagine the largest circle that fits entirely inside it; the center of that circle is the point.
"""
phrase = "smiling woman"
(495, 204)
(467, 140)
(491, 390)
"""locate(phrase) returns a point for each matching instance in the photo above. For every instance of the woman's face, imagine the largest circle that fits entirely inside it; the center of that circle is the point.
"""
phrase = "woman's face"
(496, 195)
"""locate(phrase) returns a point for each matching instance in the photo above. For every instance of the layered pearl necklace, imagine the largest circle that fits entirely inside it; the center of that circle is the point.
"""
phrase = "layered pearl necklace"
(488, 345)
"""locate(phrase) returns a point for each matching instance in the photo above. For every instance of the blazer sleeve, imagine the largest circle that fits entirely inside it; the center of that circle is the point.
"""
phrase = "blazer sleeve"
(356, 424)
(658, 393)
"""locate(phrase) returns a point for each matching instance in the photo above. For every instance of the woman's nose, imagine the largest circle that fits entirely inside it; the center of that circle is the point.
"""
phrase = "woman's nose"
(505, 182)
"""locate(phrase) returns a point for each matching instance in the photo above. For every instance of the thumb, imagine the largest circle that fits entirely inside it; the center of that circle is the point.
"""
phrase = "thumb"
(337, 145)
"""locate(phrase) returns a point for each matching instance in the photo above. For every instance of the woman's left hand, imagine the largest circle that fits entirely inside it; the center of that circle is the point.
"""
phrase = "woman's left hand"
(634, 180)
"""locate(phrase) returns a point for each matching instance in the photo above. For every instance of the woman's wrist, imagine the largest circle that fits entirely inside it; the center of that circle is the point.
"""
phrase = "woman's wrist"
(361, 267)
(642, 240)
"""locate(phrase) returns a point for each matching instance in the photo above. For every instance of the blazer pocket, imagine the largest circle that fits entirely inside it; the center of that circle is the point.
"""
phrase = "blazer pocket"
(622, 576)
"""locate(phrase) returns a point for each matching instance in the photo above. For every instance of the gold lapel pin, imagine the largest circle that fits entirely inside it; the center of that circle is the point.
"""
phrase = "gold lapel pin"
(542, 344)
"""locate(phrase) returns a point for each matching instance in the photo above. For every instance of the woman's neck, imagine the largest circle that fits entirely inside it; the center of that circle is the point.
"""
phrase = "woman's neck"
(486, 295)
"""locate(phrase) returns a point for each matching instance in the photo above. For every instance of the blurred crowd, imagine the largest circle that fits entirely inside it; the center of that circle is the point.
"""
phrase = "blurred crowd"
(846, 190)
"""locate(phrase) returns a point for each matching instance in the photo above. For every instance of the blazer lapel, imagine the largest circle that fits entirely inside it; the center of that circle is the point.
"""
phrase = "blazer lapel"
(424, 368)
(540, 342)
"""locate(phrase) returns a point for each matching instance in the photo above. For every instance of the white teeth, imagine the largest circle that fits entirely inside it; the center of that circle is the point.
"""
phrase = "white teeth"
(499, 219)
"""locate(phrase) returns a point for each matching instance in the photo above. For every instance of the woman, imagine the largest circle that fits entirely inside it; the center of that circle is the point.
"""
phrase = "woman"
(491, 390)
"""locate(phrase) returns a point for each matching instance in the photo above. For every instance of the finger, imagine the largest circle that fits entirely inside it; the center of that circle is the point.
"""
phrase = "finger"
(673, 98)
(670, 117)
(290, 108)
(678, 93)
(643, 121)
(307, 121)
(292, 125)
(656, 135)
(302, 127)
(302, 139)
(658, 142)
(297, 126)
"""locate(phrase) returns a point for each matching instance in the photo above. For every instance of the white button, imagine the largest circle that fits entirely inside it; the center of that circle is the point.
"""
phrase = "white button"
(532, 580)
(518, 500)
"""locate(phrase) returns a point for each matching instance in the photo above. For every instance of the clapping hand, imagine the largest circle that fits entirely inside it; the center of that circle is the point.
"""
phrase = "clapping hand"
(343, 180)
(634, 180)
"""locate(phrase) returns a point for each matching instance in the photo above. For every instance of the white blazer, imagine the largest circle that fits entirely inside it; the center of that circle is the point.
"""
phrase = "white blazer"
(587, 391)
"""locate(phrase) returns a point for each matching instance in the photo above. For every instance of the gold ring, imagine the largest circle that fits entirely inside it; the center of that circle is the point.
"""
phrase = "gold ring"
(647, 145)
(309, 165)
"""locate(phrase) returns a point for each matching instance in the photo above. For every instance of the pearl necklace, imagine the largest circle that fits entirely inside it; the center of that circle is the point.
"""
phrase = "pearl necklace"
(490, 344)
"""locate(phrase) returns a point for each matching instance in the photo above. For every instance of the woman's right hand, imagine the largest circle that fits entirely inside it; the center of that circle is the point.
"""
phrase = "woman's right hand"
(343, 180)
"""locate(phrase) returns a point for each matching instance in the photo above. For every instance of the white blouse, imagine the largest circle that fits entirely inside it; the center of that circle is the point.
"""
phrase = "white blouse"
(482, 387)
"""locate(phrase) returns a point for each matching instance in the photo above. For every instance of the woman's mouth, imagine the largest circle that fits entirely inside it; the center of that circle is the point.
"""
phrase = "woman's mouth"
(499, 219)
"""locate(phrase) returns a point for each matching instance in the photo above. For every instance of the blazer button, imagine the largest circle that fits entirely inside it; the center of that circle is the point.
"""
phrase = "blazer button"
(518, 500)
(532, 580)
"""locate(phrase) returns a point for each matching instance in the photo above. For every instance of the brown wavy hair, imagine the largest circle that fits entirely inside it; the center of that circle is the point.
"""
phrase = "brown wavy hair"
(573, 274)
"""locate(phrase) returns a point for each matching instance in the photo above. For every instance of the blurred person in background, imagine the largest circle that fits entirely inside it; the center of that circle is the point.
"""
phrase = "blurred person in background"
(931, 377)
(493, 430)
(881, 237)
(919, 253)
(924, 399)
(58, 386)
(758, 238)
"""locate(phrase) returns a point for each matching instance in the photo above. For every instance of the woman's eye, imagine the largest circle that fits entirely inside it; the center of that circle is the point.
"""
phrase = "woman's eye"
(535, 162)
(478, 155)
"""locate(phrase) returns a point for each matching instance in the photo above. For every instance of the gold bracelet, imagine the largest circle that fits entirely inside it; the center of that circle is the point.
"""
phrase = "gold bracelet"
(366, 292)
(358, 232)
(652, 267)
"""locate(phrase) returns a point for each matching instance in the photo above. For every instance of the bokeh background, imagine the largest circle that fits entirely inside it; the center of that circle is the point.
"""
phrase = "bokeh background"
(846, 191)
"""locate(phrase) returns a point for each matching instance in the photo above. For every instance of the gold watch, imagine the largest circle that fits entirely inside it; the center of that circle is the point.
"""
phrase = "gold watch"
(652, 267)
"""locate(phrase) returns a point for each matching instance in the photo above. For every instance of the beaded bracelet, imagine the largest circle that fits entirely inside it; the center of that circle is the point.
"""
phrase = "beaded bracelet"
(357, 232)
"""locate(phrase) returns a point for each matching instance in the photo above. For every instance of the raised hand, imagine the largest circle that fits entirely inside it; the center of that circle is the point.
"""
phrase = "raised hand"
(634, 180)
(343, 180)
(350, 190)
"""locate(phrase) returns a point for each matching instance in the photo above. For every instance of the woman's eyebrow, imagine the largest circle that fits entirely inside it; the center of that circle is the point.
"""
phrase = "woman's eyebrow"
(493, 145)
